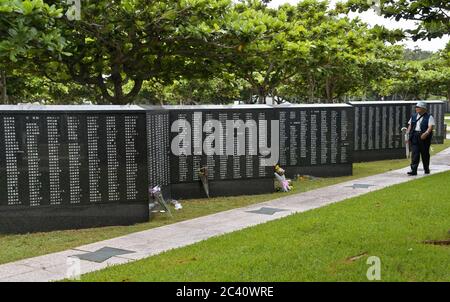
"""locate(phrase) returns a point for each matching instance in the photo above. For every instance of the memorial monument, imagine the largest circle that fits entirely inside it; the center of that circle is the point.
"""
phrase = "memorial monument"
(316, 139)
(225, 149)
(377, 128)
(83, 166)
(67, 167)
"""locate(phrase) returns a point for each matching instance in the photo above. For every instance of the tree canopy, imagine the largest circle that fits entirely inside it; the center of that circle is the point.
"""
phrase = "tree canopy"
(433, 16)
(214, 51)
(28, 28)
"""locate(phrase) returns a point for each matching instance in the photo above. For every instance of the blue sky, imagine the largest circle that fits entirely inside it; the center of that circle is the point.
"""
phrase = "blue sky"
(372, 18)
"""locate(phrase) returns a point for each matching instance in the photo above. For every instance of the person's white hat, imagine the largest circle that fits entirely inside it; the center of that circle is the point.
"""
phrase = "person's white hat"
(422, 105)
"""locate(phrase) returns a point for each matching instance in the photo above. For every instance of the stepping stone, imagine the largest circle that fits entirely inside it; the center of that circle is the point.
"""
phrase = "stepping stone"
(266, 211)
(102, 254)
(360, 186)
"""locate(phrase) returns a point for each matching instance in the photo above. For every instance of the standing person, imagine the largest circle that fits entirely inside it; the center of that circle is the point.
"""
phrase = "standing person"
(420, 131)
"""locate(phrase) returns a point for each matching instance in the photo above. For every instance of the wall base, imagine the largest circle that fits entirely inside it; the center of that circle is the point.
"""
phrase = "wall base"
(374, 155)
(52, 218)
(223, 188)
(320, 170)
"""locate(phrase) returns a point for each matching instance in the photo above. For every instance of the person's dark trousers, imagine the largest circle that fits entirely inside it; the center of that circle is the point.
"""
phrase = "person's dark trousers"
(420, 148)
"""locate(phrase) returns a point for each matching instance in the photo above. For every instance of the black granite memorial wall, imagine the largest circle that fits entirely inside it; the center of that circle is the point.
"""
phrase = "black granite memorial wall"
(65, 167)
(200, 140)
(377, 128)
(316, 139)
(437, 109)
(158, 148)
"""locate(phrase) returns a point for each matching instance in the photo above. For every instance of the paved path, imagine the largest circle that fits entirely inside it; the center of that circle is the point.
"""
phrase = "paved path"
(154, 241)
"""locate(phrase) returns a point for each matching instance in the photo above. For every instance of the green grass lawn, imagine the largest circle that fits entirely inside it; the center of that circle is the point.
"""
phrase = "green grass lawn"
(16, 247)
(319, 245)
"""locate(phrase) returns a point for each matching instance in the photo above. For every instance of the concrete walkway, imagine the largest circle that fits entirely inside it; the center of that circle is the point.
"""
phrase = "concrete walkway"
(154, 241)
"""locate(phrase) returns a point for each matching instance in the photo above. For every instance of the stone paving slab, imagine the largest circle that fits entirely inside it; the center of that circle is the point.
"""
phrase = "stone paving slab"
(103, 254)
(151, 242)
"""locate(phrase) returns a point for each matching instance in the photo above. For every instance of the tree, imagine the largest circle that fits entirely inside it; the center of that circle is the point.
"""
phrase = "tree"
(117, 45)
(26, 86)
(27, 29)
(346, 58)
(419, 79)
(433, 16)
(274, 45)
(441, 65)
(220, 90)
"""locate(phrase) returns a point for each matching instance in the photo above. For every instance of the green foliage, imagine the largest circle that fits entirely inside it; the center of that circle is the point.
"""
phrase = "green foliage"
(118, 44)
(279, 48)
(419, 79)
(30, 88)
(220, 90)
(432, 15)
(205, 51)
(348, 58)
(417, 54)
(27, 28)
